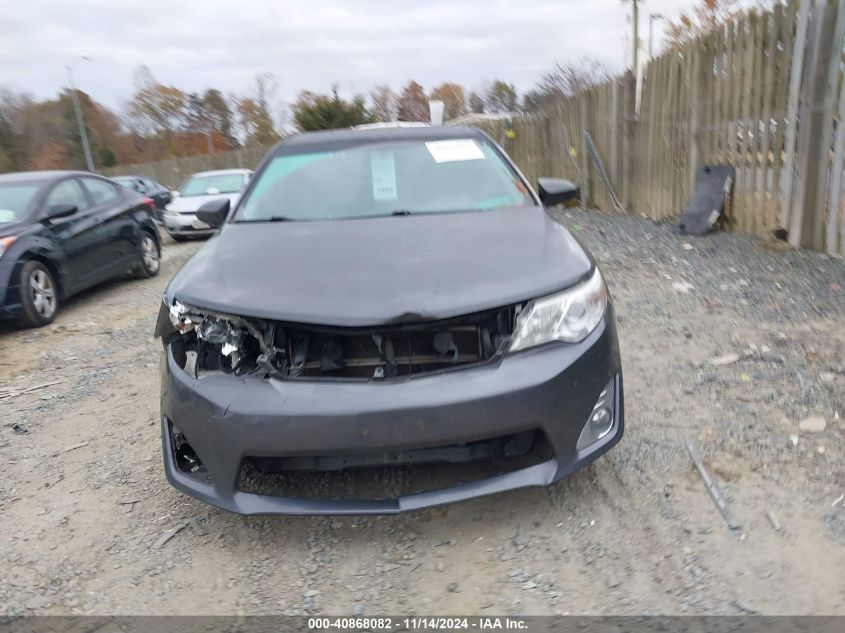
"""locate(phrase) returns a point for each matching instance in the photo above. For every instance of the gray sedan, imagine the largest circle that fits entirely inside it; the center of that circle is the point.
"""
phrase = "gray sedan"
(393, 299)
(180, 214)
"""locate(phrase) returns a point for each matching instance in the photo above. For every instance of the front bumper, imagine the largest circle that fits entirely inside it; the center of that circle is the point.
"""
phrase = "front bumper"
(185, 224)
(10, 304)
(226, 419)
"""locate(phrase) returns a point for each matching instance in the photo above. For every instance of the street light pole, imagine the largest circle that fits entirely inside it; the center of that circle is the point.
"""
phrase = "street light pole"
(651, 18)
(635, 36)
(83, 134)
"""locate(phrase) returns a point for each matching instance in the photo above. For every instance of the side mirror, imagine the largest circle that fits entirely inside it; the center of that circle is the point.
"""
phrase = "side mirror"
(61, 211)
(175, 193)
(214, 212)
(556, 191)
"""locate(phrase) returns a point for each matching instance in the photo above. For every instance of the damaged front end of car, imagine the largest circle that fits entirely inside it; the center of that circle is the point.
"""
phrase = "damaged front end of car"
(204, 341)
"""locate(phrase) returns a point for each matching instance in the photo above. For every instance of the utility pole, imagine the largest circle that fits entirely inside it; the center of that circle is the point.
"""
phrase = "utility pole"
(635, 35)
(83, 135)
(651, 18)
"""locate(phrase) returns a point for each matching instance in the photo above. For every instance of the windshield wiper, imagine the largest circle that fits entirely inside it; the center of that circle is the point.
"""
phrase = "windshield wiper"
(400, 212)
(272, 218)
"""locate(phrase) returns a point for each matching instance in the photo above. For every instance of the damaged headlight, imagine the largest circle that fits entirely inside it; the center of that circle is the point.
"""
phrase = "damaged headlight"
(567, 316)
(219, 341)
(183, 319)
(221, 332)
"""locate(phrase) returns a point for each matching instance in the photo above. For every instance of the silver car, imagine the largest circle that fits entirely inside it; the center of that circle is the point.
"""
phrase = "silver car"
(180, 215)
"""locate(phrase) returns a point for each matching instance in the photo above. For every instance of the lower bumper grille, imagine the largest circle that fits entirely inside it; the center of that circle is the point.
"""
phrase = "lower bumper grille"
(389, 475)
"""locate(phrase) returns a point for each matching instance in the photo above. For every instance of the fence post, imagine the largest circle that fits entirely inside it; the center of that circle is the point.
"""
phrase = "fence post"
(811, 157)
(790, 137)
(629, 128)
(697, 78)
(586, 180)
(828, 105)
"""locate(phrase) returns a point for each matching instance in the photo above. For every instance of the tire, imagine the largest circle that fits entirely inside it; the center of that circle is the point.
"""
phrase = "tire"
(39, 295)
(149, 252)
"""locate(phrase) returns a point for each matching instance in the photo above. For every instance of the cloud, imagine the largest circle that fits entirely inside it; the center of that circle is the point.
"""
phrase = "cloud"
(309, 44)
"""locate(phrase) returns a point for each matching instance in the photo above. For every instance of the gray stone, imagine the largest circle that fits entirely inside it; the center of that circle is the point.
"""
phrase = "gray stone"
(812, 424)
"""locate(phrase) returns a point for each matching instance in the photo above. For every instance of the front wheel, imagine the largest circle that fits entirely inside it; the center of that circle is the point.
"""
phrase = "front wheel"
(150, 257)
(39, 295)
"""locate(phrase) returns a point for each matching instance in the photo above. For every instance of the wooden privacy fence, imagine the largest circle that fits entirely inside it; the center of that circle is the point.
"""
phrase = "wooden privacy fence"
(765, 94)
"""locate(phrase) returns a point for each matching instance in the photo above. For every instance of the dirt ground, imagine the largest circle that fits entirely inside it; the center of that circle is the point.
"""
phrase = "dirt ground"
(84, 501)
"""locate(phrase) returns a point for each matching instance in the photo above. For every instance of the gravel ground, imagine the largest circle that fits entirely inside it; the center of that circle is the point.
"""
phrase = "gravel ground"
(725, 342)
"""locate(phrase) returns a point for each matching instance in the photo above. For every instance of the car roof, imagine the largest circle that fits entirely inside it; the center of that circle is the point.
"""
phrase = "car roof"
(222, 172)
(382, 133)
(41, 176)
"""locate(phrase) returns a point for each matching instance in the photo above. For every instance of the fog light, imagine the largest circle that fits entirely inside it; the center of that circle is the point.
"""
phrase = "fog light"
(601, 421)
(184, 454)
(601, 418)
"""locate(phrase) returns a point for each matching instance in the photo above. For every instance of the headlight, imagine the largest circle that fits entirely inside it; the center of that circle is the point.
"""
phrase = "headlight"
(567, 316)
(6, 243)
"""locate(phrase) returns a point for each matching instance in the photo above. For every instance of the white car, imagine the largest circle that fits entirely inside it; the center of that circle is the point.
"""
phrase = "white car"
(180, 214)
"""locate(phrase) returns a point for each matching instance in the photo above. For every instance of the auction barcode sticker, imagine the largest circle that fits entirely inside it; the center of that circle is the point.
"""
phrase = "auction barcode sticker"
(454, 150)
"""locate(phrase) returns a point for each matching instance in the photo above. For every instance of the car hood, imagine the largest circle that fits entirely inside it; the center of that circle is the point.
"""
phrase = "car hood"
(382, 270)
(189, 204)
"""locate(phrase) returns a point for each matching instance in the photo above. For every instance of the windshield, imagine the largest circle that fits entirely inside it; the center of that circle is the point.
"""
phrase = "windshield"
(15, 199)
(384, 179)
(212, 184)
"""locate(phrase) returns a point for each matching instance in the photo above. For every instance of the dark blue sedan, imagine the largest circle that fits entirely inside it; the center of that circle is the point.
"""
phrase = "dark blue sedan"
(62, 232)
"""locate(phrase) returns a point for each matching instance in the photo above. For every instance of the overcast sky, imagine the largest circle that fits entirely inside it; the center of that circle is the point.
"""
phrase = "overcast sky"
(305, 44)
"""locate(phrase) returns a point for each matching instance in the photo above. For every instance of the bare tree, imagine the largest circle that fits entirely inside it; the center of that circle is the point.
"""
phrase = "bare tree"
(385, 104)
(570, 78)
(413, 104)
(705, 17)
(476, 102)
(501, 97)
(453, 97)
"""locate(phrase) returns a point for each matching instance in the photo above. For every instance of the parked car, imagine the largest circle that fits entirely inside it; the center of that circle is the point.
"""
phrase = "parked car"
(147, 187)
(62, 232)
(385, 298)
(180, 215)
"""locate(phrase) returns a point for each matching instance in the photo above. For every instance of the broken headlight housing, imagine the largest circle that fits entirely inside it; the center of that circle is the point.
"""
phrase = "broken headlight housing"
(567, 316)
(217, 341)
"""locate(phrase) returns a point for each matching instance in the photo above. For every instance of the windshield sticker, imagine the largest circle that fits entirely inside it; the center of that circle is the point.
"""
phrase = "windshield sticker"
(454, 150)
(384, 176)
(7, 215)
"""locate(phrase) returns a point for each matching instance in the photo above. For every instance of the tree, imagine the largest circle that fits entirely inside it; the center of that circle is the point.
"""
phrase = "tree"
(101, 125)
(705, 17)
(220, 114)
(7, 144)
(11, 143)
(453, 97)
(157, 109)
(566, 80)
(413, 104)
(44, 134)
(385, 104)
(476, 103)
(532, 100)
(501, 97)
(256, 121)
(313, 111)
